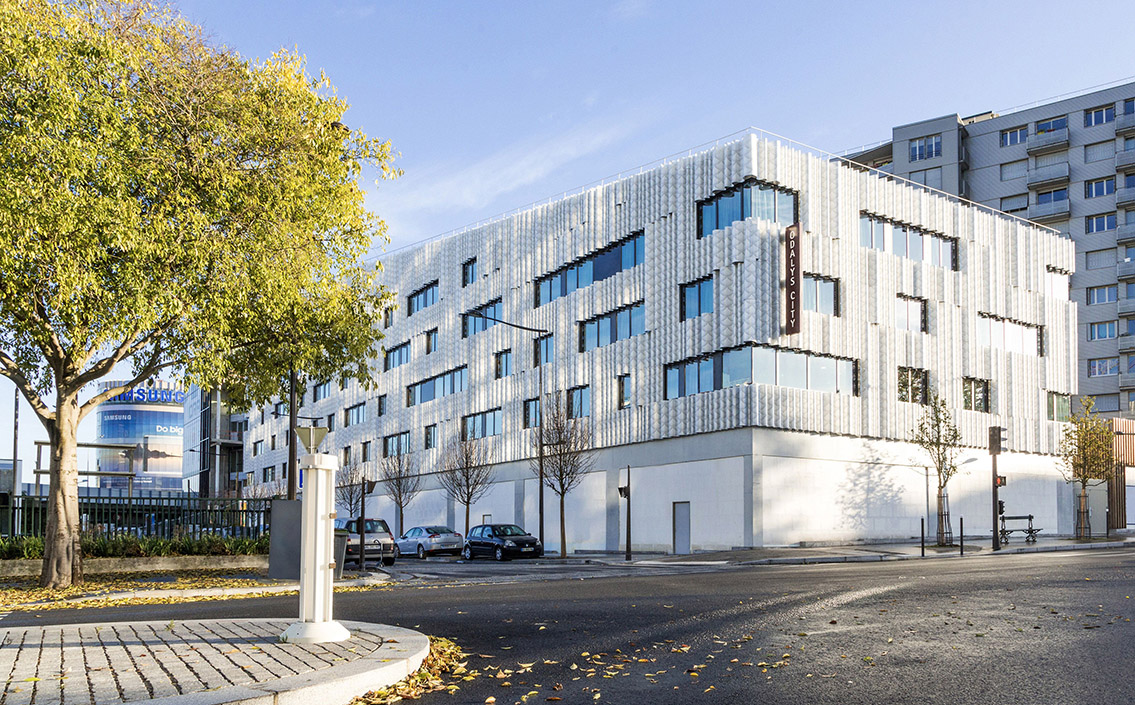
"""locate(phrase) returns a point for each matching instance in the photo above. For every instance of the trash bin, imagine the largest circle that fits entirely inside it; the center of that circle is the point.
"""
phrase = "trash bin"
(340, 554)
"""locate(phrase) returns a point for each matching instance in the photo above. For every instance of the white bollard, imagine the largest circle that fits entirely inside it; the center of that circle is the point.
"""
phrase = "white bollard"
(317, 566)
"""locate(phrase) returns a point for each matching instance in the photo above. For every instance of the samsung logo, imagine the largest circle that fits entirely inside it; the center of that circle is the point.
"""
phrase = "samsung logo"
(151, 396)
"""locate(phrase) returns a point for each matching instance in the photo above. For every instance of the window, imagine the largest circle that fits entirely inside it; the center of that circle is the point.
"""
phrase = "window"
(481, 318)
(820, 294)
(762, 365)
(1099, 187)
(353, 415)
(1015, 204)
(321, 391)
(543, 348)
(268, 474)
(1016, 135)
(1052, 125)
(747, 199)
(426, 296)
(396, 356)
(388, 318)
(910, 314)
(1128, 144)
(531, 413)
(396, 444)
(1103, 367)
(381, 405)
(926, 148)
(622, 391)
(1099, 151)
(975, 394)
(468, 272)
(456, 380)
(1099, 116)
(612, 327)
(907, 241)
(927, 177)
(1052, 196)
(502, 364)
(431, 340)
(1106, 294)
(579, 402)
(281, 409)
(257, 448)
(1129, 106)
(1014, 336)
(366, 451)
(272, 442)
(1106, 402)
(1059, 406)
(695, 298)
(1102, 331)
(1100, 223)
(429, 439)
(330, 423)
(345, 456)
(585, 271)
(1129, 181)
(1014, 170)
(914, 385)
(482, 425)
(1099, 259)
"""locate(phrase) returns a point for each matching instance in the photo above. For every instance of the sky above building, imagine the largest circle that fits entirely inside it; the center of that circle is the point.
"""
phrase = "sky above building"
(495, 105)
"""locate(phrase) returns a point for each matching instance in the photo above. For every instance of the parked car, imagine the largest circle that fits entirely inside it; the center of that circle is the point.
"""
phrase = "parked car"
(425, 541)
(379, 540)
(501, 541)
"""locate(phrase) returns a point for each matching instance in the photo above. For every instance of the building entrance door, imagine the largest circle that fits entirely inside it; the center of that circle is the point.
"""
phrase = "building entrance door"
(681, 528)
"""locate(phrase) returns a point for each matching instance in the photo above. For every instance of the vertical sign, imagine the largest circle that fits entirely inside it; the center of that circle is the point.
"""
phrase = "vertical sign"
(792, 278)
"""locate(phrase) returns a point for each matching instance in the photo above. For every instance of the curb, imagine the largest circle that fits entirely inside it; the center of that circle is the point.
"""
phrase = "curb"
(911, 557)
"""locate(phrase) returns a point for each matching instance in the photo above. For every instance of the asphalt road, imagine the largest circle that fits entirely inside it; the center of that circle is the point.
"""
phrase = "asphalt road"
(1036, 628)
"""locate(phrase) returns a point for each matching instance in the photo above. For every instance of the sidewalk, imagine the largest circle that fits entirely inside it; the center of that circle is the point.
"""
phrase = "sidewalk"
(205, 662)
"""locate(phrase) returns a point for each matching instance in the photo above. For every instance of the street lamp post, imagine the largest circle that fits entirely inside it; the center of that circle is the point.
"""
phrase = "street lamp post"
(625, 493)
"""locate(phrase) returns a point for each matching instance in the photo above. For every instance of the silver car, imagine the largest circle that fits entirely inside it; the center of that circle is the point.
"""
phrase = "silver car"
(379, 541)
(422, 541)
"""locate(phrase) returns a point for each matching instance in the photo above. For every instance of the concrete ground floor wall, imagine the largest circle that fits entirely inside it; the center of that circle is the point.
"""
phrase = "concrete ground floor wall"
(758, 487)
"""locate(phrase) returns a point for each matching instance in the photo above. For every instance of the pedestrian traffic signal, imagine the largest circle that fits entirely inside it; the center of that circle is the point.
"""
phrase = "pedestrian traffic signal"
(1000, 506)
(1001, 481)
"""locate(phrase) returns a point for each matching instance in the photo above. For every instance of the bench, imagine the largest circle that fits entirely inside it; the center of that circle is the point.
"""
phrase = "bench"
(1029, 532)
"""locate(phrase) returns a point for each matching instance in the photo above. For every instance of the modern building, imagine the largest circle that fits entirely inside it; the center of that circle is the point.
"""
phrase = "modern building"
(1069, 164)
(759, 380)
(213, 444)
(149, 418)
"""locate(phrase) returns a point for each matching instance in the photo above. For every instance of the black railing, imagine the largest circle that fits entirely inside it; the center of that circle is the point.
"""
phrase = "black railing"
(162, 517)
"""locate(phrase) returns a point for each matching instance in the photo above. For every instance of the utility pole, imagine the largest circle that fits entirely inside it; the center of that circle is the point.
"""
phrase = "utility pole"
(625, 492)
(540, 449)
(293, 456)
(15, 442)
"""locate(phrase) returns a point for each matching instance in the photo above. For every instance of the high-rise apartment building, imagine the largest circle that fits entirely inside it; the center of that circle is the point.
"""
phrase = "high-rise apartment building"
(1069, 164)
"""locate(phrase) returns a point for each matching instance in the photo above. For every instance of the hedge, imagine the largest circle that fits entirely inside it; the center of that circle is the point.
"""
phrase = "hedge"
(135, 547)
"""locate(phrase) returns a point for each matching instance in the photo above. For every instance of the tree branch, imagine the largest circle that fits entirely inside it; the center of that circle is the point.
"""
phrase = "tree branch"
(11, 370)
(149, 370)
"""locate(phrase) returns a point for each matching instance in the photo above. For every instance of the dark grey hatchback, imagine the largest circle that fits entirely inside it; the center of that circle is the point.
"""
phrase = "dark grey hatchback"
(501, 541)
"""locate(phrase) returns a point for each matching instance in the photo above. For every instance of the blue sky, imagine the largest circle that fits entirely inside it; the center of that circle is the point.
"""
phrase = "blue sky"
(494, 105)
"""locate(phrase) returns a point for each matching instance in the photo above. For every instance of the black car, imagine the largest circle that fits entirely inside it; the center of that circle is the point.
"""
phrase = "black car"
(501, 541)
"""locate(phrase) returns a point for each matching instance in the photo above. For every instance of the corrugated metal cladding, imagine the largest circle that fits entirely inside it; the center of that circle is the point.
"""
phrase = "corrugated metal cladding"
(1002, 265)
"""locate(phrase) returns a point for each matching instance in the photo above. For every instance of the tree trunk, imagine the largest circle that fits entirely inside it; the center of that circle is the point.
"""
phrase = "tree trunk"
(563, 530)
(466, 520)
(1083, 520)
(401, 524)
(61, 559)
(945, 535)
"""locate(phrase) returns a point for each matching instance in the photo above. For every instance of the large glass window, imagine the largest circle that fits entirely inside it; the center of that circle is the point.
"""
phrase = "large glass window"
(1052, 196)
(763, 365)
(1017, 135)
(531, 413)
(579, 402)
(543, 349)
(611, 327)
(426, 296)
(585, 271)
(910, 314)
(482, 425)
(321, 391)
(975, 394)
(914, 385)
(480, 318)
(907, 241)
(456, 380)
(1099, 116)
(396, 356)
(695, 298)
(997, 332)
(819, 294)
(1103, 367)
(396, 444)
(1102, 331)
(746, 200)
(926, 148)
(1099, 187)
(354, 415)
(1107, 294)
(1052, 125)
(1059, 406)
(1100, 223)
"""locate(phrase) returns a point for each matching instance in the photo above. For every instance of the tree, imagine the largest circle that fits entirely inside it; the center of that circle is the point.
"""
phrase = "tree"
(400, 475)
(939, 437)
(1087, 457)
(465, 473)
(567, 449)
(169, 207)
(349, 489)
(265, 490)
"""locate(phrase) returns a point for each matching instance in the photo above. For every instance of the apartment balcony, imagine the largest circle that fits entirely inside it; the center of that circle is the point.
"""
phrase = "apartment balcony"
(1049, 176)
(1125, 234)
(1127, 343)
(1050, 212)
(1125, 197)
(1126, 307)
(1048, 142)
(1124, 160)
(1125, 124)
(1125, 270)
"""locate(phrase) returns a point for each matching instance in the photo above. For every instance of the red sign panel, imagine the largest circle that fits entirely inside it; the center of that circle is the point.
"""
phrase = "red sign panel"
(792, 278)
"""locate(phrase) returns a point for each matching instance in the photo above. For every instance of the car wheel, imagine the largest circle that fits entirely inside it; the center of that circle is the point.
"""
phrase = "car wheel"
(421, 552)
(499, 554)
(467, 553)
(388, 561)
(397, 551)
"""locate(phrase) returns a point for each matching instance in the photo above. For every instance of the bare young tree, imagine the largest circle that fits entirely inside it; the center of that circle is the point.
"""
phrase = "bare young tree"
(266, 490)
(1087, 454)
(465, 473)
(349, 489)
(399, 473)
(939, 437)
(566, 445)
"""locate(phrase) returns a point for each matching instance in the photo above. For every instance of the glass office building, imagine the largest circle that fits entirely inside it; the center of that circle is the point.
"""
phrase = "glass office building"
(147, 422)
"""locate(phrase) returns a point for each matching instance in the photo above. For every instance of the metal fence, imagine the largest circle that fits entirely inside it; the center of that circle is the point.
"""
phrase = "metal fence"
(164, 517)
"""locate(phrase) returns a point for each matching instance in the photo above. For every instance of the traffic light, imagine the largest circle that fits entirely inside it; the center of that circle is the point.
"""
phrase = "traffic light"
(1000, 506)
(1001, 482)
(998, 438)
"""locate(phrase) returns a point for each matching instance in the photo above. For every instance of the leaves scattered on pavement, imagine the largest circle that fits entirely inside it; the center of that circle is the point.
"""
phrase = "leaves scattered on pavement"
(445, 668)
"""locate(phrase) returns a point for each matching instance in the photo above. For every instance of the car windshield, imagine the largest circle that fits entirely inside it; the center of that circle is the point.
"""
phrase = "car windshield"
(438, 530)
(508, 530)
(377, 526)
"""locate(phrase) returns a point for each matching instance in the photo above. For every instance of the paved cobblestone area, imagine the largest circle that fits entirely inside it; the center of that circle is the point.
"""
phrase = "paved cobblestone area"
(140, 661)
